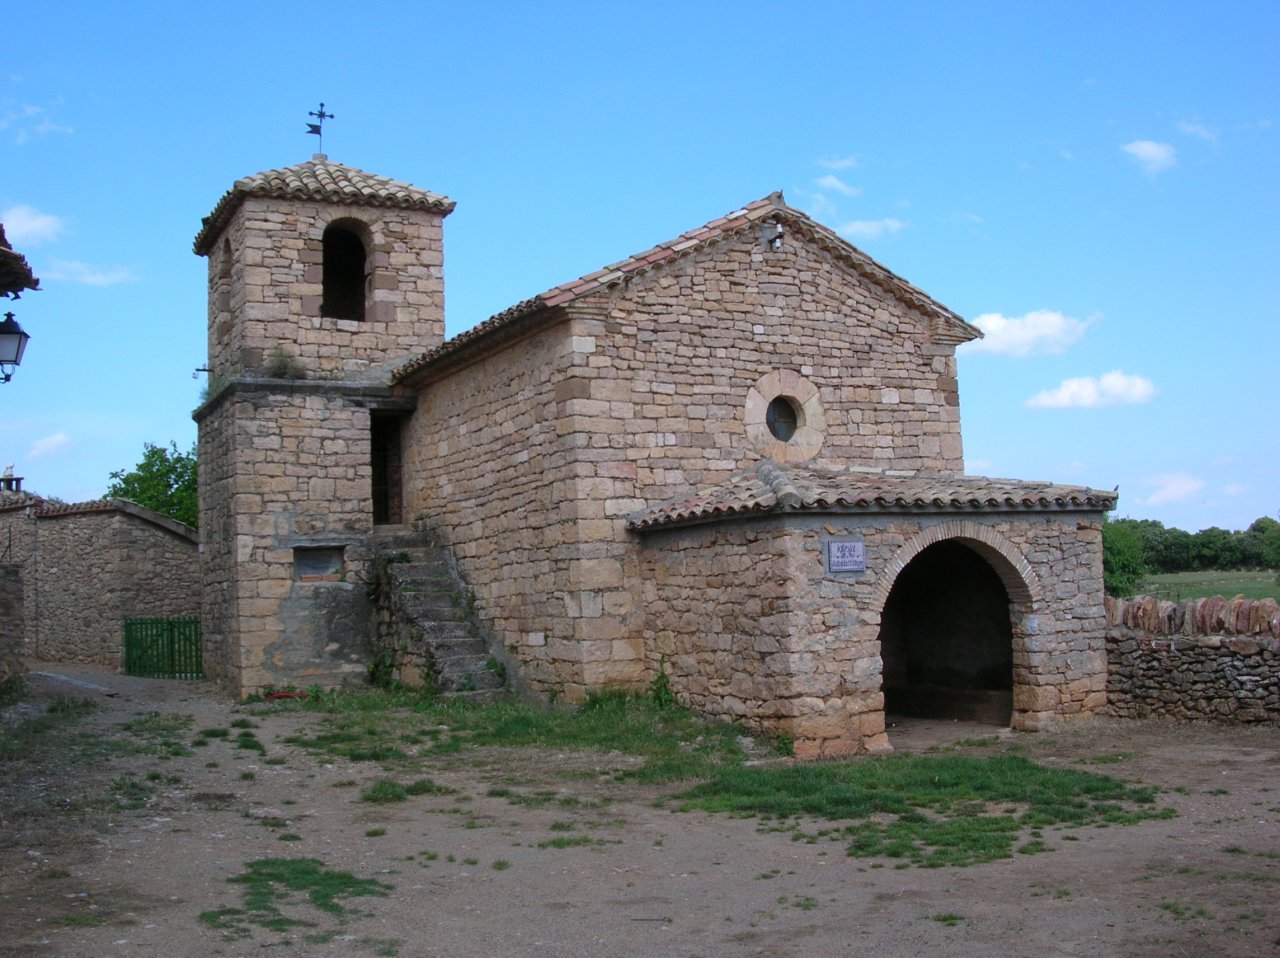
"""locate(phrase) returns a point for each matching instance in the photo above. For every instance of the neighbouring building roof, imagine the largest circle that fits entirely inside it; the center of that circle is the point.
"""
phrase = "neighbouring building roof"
(770, 487)
(15, 274)
(44, 508)
(949, 326)
(318, 180)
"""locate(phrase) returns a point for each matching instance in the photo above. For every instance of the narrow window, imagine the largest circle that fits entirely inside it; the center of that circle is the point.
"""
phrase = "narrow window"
(344, 274)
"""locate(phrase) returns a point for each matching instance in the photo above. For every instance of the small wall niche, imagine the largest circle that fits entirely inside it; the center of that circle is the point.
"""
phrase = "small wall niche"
(319, 564)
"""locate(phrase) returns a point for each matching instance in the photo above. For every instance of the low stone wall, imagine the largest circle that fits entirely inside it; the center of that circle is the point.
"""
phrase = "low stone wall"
(1216, 659)
(10, 624)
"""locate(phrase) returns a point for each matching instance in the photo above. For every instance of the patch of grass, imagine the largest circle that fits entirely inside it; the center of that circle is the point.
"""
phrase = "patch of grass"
(376, 725)
(500, 865)
(1183, 912)
(289, 837)
(1111, 759)
(375, 833)
(424, 786)
(570, 841)
(51, 874)
(271, 884)
(250, 742)
(948, 918)
(929, 810)
(129, 792)
(82, 919)
(1176, 586)
(40, 737)
(385, 791)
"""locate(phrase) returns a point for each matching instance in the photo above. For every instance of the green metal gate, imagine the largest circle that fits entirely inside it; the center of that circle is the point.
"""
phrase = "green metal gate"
(163, 648)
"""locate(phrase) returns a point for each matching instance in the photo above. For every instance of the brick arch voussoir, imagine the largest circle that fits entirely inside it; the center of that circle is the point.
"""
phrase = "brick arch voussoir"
(1019, 578)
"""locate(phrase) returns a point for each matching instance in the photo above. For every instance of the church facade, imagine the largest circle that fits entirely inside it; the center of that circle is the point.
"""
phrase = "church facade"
(733, 460)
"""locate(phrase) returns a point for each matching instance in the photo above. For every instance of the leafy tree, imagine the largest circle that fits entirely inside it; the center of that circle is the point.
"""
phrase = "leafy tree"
(165, 480)
(1123, 564)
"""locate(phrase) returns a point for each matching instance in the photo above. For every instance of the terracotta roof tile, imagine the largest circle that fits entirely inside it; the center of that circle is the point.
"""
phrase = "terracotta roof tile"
(770, 488)
(318, 179)
(771, 207)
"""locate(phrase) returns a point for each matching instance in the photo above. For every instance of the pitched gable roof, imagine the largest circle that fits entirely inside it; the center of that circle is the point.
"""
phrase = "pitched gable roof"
(948, 326)
(318, 180)
(772, 487)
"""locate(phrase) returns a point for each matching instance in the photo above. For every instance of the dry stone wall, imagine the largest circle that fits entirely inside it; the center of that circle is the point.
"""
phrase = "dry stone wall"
(1215, 658)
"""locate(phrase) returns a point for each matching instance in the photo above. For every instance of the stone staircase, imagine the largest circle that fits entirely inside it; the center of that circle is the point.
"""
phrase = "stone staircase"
(427, 633)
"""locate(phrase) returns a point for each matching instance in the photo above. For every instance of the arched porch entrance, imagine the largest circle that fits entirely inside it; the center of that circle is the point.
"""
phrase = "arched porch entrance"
(947, 639)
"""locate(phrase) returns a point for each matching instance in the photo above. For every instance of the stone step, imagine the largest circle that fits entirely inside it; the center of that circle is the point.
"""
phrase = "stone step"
(441, 606)
(425, 598)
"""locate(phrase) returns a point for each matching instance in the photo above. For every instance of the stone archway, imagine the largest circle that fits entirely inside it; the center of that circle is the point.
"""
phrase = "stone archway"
(956, 610)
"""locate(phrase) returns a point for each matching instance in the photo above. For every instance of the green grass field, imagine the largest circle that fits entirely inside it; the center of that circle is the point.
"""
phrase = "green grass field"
(1177, 586)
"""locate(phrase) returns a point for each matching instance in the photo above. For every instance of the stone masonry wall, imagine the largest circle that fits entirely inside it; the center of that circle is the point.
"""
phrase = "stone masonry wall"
(786, 647)
(88, 567)
(490, 471)
(285, 467)
(11, 621)
(1215, 658)
(530, 459)
(265, 286)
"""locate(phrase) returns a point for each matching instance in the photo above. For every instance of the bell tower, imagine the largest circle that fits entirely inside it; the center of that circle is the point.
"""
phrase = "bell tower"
(322, 279)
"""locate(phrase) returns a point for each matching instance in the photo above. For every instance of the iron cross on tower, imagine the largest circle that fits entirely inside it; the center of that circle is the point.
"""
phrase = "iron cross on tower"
(318, 127)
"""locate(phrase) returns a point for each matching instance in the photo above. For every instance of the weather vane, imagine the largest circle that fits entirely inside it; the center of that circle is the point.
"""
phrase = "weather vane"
(318, 127)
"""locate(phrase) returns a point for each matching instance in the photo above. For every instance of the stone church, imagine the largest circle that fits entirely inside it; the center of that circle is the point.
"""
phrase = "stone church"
(733, 460)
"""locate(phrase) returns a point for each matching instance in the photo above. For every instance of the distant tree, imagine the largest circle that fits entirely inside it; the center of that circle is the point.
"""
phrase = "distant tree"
(165, 480)
(1257, 541)
(1123, 564)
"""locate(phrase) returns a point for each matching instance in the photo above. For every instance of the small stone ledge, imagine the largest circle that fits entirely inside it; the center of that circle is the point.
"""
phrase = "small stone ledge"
(370, 394)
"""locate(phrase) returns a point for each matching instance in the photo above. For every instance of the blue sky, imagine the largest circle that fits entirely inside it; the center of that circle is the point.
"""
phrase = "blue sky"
(1092, 183)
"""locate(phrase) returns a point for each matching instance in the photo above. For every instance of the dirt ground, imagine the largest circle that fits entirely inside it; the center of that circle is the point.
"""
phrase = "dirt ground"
(595, 868)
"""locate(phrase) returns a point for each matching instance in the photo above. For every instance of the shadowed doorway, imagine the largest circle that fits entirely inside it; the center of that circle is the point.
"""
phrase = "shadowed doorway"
(946, 639)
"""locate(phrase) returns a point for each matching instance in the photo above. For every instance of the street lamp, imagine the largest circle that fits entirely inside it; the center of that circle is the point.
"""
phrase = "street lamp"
(13, 343)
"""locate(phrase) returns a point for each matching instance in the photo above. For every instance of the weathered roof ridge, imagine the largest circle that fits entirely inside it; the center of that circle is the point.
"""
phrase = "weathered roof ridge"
(770, 487)
(771, 208)
(15, 273)
(319, 180)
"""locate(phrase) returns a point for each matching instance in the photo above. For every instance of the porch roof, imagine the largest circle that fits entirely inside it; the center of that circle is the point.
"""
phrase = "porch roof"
(771, 487)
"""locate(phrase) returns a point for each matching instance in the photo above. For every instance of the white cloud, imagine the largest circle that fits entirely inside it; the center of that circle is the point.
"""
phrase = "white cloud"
(1172, 487)
(74, 271)
(834, 183)
(820, 208)
(870, 229)
(1235, 489)
(1153, 157)
(27, 120)
(1041, 331)
(1197, 130)
(1110, 389)
(27, 226)
(49, 446)
(838, 162)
